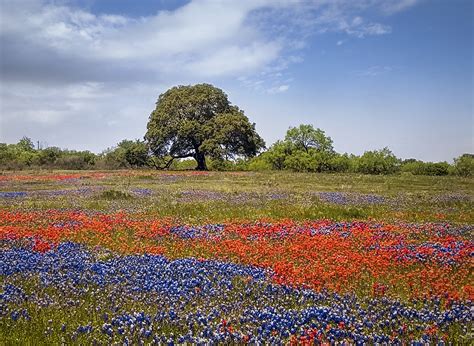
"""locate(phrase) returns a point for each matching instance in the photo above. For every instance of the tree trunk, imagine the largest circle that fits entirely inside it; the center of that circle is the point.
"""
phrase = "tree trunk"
(201, 161)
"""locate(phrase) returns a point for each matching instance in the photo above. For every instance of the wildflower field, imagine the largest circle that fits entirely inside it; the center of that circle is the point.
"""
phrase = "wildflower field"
(149, 257)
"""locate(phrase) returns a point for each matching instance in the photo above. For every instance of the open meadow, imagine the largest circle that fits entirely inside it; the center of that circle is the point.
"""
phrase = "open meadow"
(217, 172)
(142, 256)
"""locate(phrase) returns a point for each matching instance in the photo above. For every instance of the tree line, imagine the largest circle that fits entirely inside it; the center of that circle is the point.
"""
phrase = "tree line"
(196, 127)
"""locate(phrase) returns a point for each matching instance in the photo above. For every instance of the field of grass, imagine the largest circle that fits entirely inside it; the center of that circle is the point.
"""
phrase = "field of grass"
(234, 257)
(220, 196)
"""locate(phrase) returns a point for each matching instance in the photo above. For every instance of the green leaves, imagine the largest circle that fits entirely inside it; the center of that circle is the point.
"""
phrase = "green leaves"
(198, 121)
(305, 149)
(378, 162)
(306, 137)
(464, 165)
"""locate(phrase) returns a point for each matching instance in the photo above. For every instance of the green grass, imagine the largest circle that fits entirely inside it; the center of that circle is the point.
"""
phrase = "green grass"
(221, 196)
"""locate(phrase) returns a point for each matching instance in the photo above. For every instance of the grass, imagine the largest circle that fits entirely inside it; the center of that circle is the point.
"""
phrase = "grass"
(221, 196)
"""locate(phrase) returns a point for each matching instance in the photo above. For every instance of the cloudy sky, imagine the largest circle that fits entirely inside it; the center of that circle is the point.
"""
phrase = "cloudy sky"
(84, 74)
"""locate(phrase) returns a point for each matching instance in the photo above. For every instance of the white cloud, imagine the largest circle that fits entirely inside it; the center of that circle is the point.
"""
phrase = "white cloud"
(234, 59)
(64, 68)
(278, 89)
(87, 115)
(394, 6)
(196, 34)
(333, 20)
(374, 71)
(376, 29)
(218, 38)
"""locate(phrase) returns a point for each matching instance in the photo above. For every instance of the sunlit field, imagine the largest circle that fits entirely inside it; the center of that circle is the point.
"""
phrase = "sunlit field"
(235, 257)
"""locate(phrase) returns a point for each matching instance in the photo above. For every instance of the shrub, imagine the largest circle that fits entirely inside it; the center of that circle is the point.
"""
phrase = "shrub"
(114, 194)
(464, 165)
(378, 162)
(339, 163)
(259, 163)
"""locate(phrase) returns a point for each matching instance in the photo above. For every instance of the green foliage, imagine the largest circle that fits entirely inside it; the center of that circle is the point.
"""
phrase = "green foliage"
(425, 168)
(26, 158)
(300, 161)
(6, 154)
(198, 121)
(26, 144)
(230, 144)
(115, 194)
(277, 154)
(340, 163)
(23, 155)
(305, 149)
(135, 152)
(49, 156)
(76, 160)
(17, 156)
(464, 165)
(184, 164)
(127, 154)
(306, 137)
(378, 162)
(259, 163)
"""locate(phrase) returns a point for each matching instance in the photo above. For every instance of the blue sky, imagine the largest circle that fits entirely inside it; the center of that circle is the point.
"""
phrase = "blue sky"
(372, 73)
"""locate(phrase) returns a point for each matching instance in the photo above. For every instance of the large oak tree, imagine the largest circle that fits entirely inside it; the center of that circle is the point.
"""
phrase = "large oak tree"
(198, 121)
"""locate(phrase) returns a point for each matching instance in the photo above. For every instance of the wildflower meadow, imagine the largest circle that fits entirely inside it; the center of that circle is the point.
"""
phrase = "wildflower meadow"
(144, 257)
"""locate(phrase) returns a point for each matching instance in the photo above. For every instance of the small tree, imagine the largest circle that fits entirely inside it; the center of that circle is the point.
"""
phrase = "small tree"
(378, 162)
(464, 165)
(127, 154)
(25, 144)
(135, 153)
(277, 154)
(304, 149)
(198, 121)
(306, 137)
(49, 155)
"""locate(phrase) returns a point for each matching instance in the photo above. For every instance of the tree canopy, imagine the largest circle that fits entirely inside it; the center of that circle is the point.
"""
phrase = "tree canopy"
(198, 121)
(305, 148)
(306, 137)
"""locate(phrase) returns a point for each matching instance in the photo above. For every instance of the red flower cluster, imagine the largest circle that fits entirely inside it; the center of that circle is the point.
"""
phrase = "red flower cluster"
(363, 257)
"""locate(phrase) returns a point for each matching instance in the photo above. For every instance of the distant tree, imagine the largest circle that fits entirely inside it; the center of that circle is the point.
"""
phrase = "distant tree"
(198, 121)
(112, 158)
(305, 149)
(135, 152)
(378, 162)
(127, 154)
(413, 166)
(306, 137)
(339, 163)
(71, 159)
(437, 168)
(464, 165)
(407, 161)
(49, 155)
(7, 153)
(277, 154)
(26, 158)
(25, 144)
(425, 168)
(259, 163)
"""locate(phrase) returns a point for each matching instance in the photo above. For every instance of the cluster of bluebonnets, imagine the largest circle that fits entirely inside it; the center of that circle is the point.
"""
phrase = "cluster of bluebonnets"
(93, 295)
(234, 198)
(83, 191)
(344, 198)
